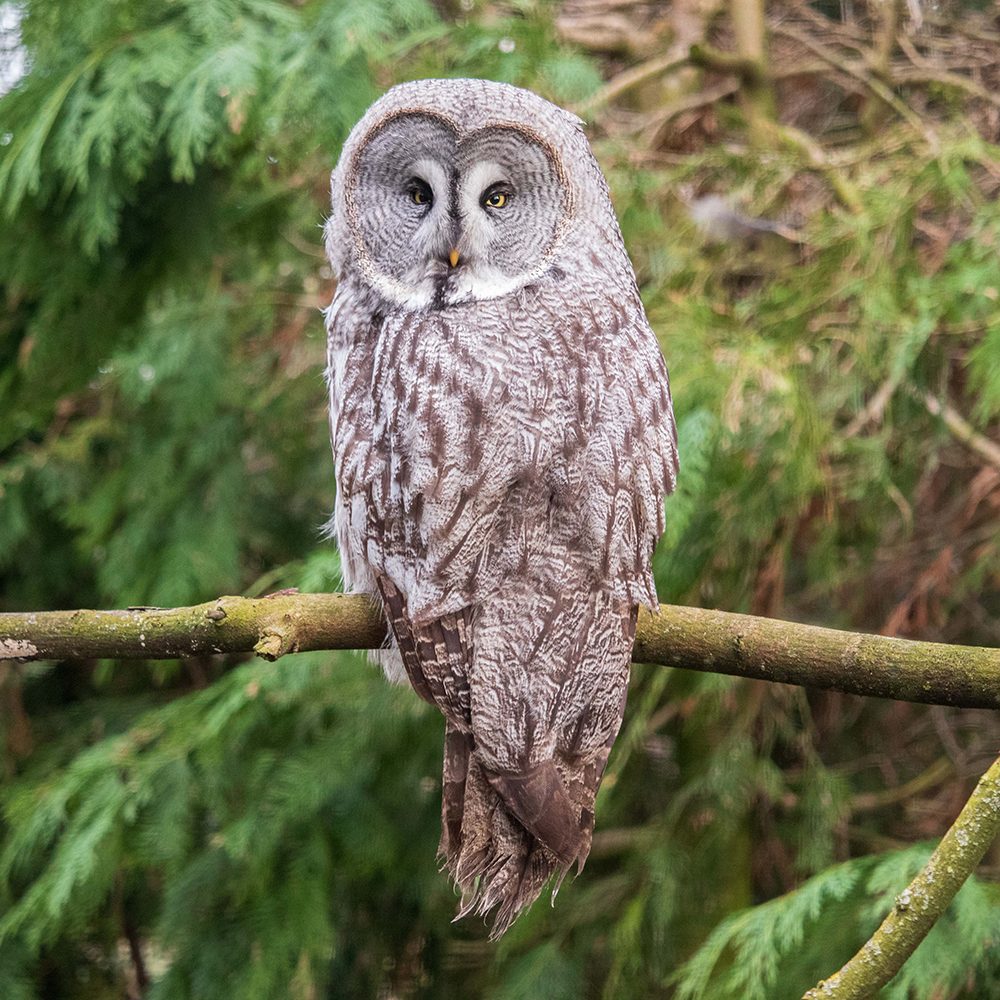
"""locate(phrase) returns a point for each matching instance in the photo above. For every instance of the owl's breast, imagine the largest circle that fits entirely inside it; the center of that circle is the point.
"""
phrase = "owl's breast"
(473, 442)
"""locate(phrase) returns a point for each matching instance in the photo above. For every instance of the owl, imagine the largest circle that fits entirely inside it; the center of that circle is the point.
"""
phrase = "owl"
(503, 441)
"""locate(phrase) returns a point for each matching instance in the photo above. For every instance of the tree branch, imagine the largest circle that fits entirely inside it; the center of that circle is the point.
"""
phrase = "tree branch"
(860, 72)
(629, 79)
(709, 57)
(286, 622)
(923, 901)
(961, 428)
(690, 638)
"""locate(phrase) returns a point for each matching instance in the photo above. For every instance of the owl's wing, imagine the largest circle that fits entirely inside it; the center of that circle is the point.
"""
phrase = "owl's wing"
(631, 456)
(436, 656)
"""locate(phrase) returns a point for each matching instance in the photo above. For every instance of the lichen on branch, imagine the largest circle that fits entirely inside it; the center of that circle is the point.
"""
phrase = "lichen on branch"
(688, 638)
(923, 901)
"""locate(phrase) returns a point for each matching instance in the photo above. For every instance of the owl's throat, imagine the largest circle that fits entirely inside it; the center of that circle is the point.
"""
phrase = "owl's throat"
(440, 285)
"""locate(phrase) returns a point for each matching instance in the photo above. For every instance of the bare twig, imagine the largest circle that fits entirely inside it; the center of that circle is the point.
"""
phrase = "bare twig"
(874, 409)
(654, 125)
(630, 78)
(962, 430)
(860, 72)
(934, 775)
(690, 638)
(845, 32)
(709, 57)
(923, 901)
(954, 80)
(804, 144)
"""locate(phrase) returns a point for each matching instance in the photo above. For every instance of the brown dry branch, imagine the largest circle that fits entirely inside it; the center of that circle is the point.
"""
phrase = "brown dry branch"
(654, 126)
(861, 73)
(926, 70)
(922, 902)
(629, 79)
(708, 57)
(961, 429)
(943, 768)
(688, 638)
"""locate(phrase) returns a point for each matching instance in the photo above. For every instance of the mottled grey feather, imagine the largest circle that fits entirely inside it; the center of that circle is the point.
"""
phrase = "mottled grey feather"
(503, 440)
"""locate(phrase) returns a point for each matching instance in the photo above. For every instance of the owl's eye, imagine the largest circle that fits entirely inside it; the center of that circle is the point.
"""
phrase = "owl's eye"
(420, 193)
(495, 197)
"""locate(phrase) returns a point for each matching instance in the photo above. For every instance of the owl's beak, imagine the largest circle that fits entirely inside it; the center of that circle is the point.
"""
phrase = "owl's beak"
(453, 258)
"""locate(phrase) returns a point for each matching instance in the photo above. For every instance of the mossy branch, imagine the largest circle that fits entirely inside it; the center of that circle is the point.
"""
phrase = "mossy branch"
(690, 638)
(922, 902)
(287, 622)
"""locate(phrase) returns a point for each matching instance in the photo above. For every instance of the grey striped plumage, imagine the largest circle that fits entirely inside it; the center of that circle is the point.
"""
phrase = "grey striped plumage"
(503, 440)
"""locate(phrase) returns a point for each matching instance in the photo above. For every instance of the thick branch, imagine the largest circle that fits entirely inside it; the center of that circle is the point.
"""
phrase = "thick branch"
(923, 901)
(691, 638)
(268, 626)
(709, 57)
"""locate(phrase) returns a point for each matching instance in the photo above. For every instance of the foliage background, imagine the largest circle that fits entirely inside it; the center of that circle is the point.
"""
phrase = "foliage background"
(222, 828)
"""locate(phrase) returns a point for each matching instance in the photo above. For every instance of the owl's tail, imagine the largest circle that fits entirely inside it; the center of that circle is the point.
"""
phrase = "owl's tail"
(504, 836)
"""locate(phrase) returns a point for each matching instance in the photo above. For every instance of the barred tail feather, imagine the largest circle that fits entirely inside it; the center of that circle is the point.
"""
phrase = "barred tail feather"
(499, 862)
(538, 799)
(509, 830)
(457, 748)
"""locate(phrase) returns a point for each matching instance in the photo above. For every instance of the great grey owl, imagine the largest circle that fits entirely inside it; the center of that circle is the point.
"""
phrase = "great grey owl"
(503, 441)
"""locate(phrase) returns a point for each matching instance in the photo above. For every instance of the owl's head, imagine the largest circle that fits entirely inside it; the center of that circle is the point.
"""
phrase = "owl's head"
(451, 191)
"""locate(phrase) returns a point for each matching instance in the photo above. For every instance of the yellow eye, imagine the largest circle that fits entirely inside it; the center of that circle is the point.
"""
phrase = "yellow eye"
(495, 200)
(420, 194)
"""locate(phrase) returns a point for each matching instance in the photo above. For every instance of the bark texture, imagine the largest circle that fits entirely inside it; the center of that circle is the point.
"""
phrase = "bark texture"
(689, 638)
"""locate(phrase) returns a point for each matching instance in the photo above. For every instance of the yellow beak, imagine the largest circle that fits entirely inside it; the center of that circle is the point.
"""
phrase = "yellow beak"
(453, 258)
